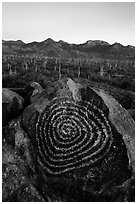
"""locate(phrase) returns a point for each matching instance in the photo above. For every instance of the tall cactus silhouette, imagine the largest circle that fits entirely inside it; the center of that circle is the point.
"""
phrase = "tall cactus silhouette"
(59, 69)
(101, 70)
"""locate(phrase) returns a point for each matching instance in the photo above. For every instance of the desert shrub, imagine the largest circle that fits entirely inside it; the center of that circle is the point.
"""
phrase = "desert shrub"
(8, 81)
(125, 99)
(126, 84)
(19, 83)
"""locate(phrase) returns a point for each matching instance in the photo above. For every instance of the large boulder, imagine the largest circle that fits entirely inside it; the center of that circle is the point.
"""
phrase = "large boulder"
(78, 145)
(83, 137)
(12, 105)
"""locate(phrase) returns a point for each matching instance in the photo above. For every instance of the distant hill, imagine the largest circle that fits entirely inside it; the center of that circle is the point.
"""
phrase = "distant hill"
(89, 49)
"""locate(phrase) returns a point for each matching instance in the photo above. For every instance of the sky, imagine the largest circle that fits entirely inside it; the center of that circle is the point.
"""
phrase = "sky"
(73, 22)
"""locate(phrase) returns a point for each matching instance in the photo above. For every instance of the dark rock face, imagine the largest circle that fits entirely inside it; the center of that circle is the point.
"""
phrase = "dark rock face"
(12, 105)
(69, 148)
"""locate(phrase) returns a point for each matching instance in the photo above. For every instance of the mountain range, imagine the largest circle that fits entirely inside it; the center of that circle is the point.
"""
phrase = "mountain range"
(51, 48)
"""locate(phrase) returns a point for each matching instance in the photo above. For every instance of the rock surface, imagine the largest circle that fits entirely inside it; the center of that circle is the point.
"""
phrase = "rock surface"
(72, 143)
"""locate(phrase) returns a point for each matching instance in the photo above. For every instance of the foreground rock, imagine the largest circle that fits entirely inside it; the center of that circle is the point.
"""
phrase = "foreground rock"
(12, 105)
(73, 143)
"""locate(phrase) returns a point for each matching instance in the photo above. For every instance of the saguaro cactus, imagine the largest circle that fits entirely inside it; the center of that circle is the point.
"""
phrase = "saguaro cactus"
(36, 68)
(25, 65)
(79, 68)
(59, 69)
(78, 71)
(45, 63)
(101, 70)
(15, 71)
(10, 71)
(116, 64)
(56, 61)
(9, 66)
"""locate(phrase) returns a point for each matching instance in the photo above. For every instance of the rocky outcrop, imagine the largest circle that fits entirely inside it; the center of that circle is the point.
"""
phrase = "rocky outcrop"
(72, 143)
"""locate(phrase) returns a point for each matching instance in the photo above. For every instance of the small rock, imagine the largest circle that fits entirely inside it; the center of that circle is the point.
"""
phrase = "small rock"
(32, 91)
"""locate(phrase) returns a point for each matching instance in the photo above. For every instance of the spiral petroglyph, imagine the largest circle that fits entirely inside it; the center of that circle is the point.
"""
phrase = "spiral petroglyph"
(71, 135)
(69, 145)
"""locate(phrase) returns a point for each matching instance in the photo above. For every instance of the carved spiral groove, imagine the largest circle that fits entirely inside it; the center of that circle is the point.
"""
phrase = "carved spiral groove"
(71, 136)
